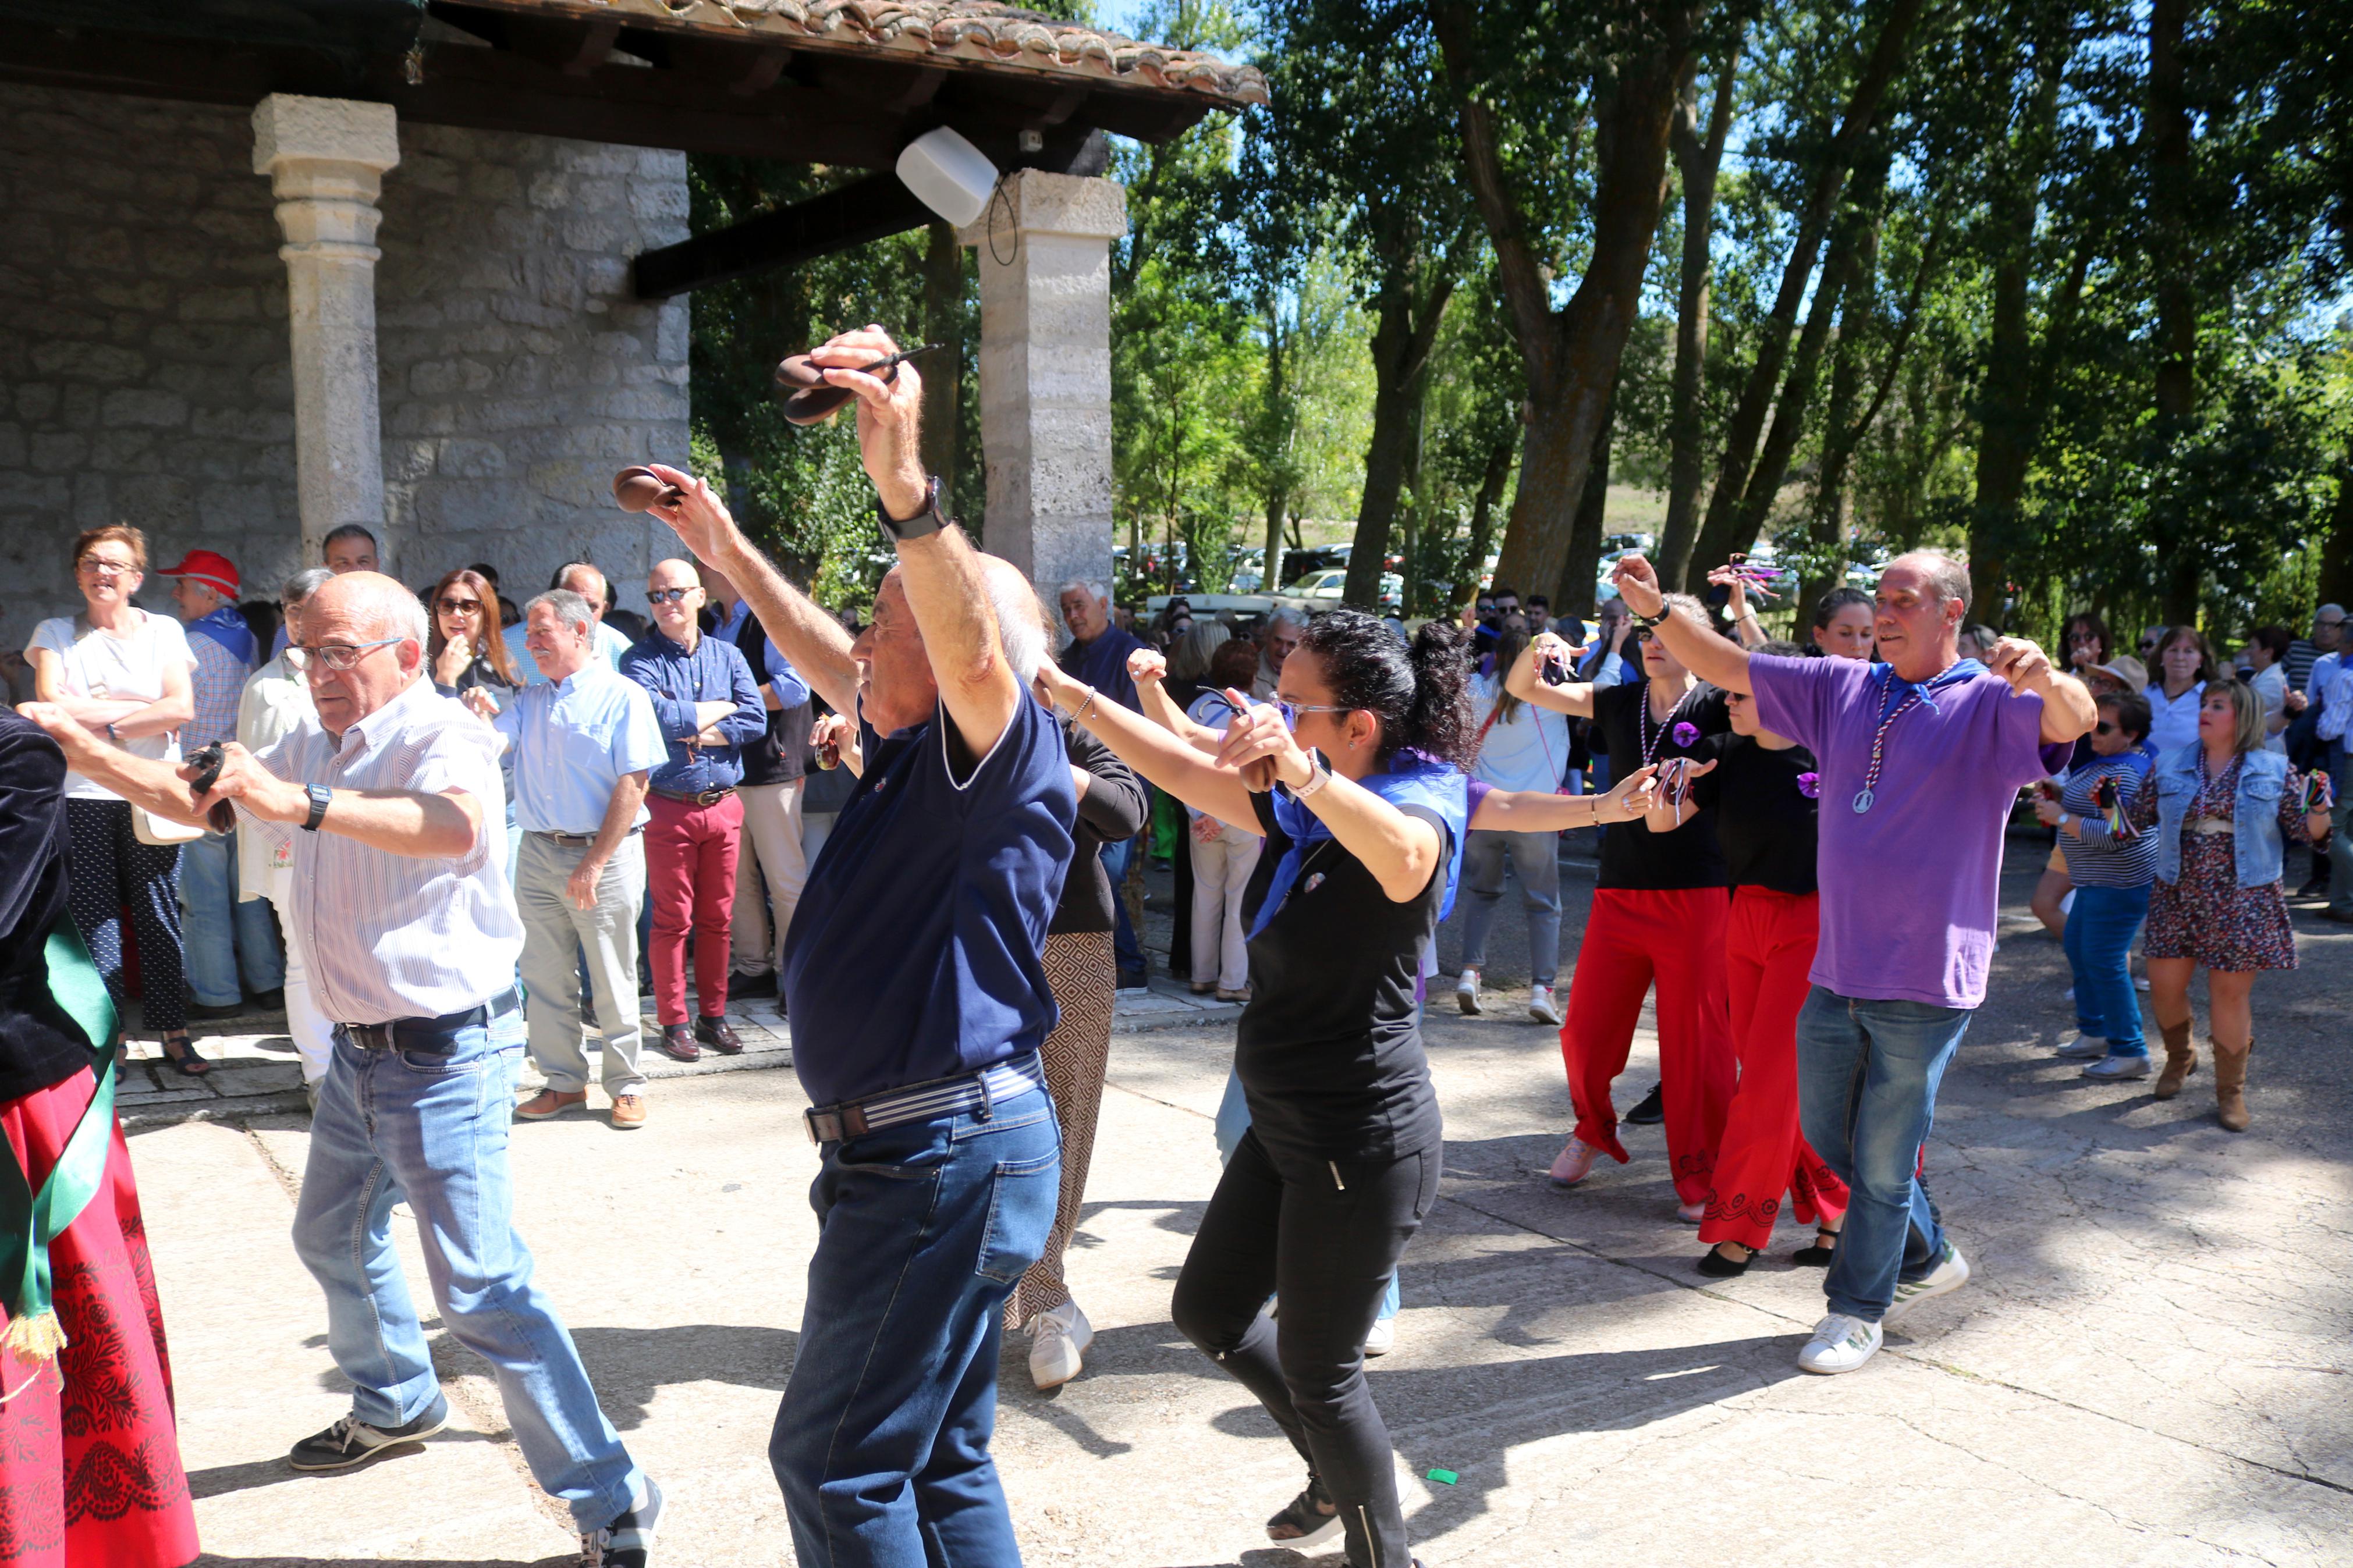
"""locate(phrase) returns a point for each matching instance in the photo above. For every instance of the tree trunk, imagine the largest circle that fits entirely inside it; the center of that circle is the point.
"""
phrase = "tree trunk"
(1278, 490)
(2169, 194)
(1697, 162)
(1483, 523)
(943, 325)
(1748, 422)
(2337, 550)
(1401, 347)
(1570, 356)
(1573, 595)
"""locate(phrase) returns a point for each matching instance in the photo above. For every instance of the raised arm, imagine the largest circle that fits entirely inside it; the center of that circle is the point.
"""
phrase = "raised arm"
(2068, 712)
(1402, 852)
(1196, 780)
(1694, 645)
(1148, 669)
(1735, 604)
(1524, 681)
(817, 644)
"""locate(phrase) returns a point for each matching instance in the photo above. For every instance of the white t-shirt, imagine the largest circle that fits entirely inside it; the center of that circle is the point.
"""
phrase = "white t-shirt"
(1527, 751)
(131, 668)
(2173, 723)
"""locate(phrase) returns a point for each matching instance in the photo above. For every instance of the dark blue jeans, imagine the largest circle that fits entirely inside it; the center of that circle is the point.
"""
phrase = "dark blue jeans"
(2098, 940)
(1127, 951)
(1867, 1077)
(882, 1442)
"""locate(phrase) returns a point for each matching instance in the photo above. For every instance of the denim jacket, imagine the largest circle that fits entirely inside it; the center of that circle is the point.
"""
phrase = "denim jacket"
(2255, 810)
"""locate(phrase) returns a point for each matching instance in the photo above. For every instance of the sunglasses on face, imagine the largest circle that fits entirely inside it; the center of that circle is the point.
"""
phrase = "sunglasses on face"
(666, 596)
(1644, 634)
(2107, 728)
(461, 603)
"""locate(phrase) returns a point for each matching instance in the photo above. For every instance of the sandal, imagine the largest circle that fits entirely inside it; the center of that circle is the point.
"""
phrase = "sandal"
(1716, 1266)
(189, 1061)
(1303, 1522)
(1819, 1255)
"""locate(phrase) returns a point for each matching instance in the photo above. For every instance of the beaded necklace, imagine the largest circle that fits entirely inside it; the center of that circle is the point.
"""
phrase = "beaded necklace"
(1652, 743)
(1913, 695)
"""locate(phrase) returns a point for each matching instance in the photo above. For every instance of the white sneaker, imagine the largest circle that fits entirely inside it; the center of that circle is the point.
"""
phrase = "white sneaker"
(2068, 996)
(2140, 981)
(1542, 1005)
(1466, 991)
(1059, 1337)
(1383, 1339)
(1841, 1343)
(2084, 1048)
(1952, 1272)
(2114, 1069)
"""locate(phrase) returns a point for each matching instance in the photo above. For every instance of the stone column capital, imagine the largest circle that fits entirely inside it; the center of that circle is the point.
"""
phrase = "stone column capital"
(1041, 203)
(289, 127)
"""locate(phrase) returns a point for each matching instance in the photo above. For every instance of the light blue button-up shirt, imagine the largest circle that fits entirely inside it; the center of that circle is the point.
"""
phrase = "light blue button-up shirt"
(611, 644)
(573, 739)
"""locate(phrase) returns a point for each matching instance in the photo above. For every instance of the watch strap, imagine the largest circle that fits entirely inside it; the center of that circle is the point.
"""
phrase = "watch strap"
(321, 798)
(922, 525)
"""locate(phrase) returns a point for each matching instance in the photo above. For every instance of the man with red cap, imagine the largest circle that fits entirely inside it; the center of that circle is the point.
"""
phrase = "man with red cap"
(222, 935)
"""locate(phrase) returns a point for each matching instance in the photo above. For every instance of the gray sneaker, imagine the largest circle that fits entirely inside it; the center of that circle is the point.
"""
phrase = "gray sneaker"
(2116, 1069)
(1951, 1272)
(628, 1541)
(352, 1441)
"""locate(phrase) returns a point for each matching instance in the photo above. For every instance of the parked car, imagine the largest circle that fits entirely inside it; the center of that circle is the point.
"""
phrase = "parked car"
(1331, 582)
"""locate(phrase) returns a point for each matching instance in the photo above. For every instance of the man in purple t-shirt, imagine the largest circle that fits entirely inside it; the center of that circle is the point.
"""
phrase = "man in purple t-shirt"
(1921, 758)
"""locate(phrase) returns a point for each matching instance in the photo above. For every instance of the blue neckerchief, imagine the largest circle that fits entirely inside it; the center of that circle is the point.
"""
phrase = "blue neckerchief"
(1894, 687)
(1413, 779)
(227, 627)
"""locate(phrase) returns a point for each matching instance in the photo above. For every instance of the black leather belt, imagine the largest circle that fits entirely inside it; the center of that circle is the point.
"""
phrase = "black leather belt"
(985, 1090)
(708, 798)
(574, 837)
(427, 1036)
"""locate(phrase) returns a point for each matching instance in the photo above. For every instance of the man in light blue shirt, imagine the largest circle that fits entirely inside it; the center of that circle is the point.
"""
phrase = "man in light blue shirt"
(578, 577)
(585, 740)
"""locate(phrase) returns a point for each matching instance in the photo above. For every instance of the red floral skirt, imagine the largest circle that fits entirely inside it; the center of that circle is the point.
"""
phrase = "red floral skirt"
(90, 1453)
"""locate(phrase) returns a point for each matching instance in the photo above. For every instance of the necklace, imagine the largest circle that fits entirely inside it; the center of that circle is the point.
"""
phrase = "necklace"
(1652, 743)
(2207, 804)
(1913, 696)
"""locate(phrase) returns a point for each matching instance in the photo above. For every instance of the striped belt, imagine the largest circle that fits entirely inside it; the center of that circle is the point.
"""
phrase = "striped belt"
(986, 1089)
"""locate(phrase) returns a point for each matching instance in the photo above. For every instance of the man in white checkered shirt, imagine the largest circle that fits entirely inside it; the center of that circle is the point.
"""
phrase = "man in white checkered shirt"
(392, 804)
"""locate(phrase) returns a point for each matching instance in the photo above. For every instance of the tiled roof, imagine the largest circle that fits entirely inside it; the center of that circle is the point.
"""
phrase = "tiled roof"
(982, 31)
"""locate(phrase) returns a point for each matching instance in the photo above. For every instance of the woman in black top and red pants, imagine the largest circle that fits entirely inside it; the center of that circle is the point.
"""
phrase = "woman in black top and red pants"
(1762, 788)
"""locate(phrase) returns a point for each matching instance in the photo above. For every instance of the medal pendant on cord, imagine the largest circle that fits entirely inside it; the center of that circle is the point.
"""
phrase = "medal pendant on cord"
(1862, 801)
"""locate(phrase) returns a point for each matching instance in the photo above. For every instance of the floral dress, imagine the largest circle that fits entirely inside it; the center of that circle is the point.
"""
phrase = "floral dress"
(2207, 917)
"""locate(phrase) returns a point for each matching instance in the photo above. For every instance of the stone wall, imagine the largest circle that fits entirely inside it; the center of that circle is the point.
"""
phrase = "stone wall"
(144, 361)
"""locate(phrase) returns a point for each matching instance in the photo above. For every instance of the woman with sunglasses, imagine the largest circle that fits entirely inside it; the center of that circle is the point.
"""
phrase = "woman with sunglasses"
(465, 649)
(1354, 777)
(1658, 913)
(1763, 790)
(2111, 868)
(2222, 810)
(123, 673)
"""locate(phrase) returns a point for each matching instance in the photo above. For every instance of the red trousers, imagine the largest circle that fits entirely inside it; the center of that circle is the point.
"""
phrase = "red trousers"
(1632, 936)
(1769, 948)
(691, 877)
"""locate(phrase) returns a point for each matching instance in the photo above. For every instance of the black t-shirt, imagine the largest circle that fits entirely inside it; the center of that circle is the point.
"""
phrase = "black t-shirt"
(1329, 1049)
(1114, 809)
(39, 1043)
(1632, 857)
(1764, 818)
(780, 755)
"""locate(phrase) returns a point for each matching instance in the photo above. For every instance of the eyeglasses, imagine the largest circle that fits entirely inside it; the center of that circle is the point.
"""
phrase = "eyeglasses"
(666, 596)
(1292, 711)
(1644, 634)
(1731, 696)
(98, 566)
(335, 656)
(461, 603)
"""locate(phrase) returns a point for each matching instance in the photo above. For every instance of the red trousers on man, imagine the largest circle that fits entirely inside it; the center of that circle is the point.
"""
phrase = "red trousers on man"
(690, 878)
(1768, 949)
(1632, 936)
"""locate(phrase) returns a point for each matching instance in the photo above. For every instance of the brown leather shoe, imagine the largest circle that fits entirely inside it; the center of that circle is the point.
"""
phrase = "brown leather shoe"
(550, 1102)
(628, 1111)
(719, 1035)
(678, 1042)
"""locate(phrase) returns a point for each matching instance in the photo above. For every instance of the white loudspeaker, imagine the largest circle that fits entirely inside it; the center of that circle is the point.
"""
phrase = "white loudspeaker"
(948, 175)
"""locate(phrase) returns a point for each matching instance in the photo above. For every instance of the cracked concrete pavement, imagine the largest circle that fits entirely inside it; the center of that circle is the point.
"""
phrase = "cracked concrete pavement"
(2149, 1367)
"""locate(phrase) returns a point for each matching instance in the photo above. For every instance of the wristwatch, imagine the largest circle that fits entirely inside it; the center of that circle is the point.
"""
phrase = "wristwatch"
(1319, 774)
(321, 796)
(922, 525)
(1647, 622)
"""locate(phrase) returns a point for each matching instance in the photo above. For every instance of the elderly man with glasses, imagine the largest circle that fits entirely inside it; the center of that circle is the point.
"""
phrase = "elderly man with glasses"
(391, 802)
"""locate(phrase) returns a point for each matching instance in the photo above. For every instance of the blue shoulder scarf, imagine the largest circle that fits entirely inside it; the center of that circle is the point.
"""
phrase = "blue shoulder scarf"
(1414, 778)
(227, 627)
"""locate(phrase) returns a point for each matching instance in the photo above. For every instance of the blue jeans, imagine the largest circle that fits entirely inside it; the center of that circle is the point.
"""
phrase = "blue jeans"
(882, 1441)
(1127, 952)
(2098, 939)
(218, 932)
(395, 1125)
(1535, 860)
(1867, 1077)
(1233, 1120)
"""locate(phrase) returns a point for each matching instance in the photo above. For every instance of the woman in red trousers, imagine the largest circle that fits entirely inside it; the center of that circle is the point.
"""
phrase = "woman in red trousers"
(1658, 914)
(1762, 787)
(89, 1456)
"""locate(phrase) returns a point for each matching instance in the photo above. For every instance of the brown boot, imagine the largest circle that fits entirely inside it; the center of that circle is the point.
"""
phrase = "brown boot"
(2181, 1060)
(2231, 1085)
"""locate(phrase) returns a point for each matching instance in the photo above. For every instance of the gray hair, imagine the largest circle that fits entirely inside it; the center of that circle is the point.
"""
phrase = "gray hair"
(1947, 577)
(569, 607)
(1086, 585)
(1021, 618)
(564, 576)
(304, 583)
(1283, 615)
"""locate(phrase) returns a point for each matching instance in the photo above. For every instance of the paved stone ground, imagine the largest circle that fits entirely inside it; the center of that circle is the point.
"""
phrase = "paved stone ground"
(2149, 1367)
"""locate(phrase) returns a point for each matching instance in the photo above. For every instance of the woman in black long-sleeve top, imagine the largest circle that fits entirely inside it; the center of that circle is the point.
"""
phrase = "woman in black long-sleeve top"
(1079, 963)
(89, 1453)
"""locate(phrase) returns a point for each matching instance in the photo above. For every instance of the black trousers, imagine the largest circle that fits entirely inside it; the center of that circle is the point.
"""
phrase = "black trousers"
(111, 869)
(1325, 1241)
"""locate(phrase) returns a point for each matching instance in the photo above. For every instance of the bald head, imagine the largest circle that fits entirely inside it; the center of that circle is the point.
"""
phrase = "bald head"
(674, 592)
(588, 583)
(370, 604)
(375, 627)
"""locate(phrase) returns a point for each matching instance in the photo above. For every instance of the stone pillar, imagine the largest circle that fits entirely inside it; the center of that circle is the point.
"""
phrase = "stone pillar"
(325, 158)
(1045, 371)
